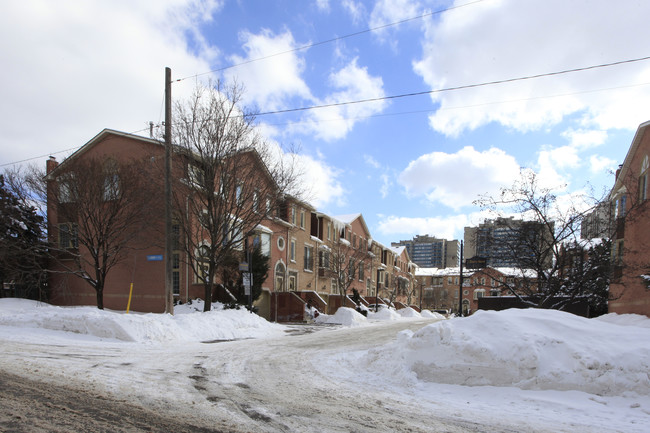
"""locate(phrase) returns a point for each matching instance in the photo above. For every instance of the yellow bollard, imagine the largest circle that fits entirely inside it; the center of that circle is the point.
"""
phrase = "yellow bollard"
(128, 305)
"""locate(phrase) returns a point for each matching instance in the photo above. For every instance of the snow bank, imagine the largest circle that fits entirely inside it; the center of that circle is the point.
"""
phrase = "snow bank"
(344, 316)
(432, 315)
(218, 324)
(409, 312)
(529, 349)
(384, 314)
(625, 319)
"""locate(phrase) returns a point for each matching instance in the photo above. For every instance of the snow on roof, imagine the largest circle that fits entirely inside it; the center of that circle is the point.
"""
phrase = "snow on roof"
(347, 219)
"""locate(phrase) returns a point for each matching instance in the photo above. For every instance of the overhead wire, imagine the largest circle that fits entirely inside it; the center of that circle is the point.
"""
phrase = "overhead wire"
(327, 41)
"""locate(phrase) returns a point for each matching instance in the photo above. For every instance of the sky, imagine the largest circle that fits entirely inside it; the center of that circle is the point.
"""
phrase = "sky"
(534, 370)
(410, 164)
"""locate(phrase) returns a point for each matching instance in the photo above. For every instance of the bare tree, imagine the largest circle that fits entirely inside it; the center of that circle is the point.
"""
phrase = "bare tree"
(347, 265)
(101, 207)
(537, 245)
(234, 179)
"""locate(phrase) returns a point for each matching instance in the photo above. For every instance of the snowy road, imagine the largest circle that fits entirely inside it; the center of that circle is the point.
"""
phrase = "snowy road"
(307, 379)
(272, 385)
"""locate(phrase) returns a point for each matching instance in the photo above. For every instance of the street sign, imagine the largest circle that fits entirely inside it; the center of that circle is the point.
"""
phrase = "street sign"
(155, 258)
(243, 267)
(248, 282)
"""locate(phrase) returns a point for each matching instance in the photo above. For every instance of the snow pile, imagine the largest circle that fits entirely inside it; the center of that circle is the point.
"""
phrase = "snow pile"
(218, 324)
(432, 315)
(344, 316)
(626, 319)
(409, 312)
(528, 349)
(384, 314)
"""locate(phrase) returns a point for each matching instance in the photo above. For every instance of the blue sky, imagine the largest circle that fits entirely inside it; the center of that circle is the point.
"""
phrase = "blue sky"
(410, 165)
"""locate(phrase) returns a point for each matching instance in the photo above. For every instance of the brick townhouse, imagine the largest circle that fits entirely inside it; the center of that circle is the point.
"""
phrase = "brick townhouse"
(630, 284)
(300, 241)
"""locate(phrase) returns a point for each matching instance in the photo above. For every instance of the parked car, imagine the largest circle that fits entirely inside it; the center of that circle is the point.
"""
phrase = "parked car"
(376, 307)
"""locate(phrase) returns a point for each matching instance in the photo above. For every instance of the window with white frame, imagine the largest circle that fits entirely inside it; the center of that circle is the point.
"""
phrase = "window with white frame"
(479, 293)
(256, 200)
(309, 258)
(292, 250)
(302, 219)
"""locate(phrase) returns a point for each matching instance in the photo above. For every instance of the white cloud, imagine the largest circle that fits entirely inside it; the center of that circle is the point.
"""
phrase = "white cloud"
(457, 179)
(385, 185)
(501, 39)
(323, 5)
(323, 188)
(354, 83)
(371, 161)
(270, 83)
(392, 11)
(445, 227)
(599, 164)
(584, 138)
(67, 75)
(355, 9)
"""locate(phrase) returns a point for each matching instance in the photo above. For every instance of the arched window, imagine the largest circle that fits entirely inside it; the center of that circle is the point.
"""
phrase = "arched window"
(280, 271)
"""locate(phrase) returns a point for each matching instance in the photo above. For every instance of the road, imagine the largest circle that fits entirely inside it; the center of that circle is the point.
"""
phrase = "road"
(270, 385)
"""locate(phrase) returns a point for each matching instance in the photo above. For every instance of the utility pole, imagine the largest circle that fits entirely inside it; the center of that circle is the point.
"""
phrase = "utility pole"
(460, 289)
(169, 235)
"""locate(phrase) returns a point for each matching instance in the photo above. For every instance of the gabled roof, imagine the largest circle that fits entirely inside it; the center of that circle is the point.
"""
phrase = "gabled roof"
(348, 219)
(97, 139)
(628, 158)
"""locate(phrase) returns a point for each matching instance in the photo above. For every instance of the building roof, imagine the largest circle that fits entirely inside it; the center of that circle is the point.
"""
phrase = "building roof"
(619, 183)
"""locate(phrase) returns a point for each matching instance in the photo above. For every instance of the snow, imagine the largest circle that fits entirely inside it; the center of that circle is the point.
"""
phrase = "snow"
(219, 324)
(533, 370)
(527, 349)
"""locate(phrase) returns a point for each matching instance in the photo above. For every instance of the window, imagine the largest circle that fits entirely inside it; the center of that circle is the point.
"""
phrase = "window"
(256, 200)
(264, 242)
(238, 193)
(302, 219)
(361, 276)
(324, 259)
(268, 205)
(329, 231)
(176, 273)
(68, 236)
(334, 286)
(280, 243)
(449, 280)
(351, 268)
(309, 258)
(482, 281)
(643, 180)
(111, 187)
(494, 292)
(202, 255)
(292, 250)
(196, 175)
(293, 215)
(479, 293)
(66, 189)
(292, 281)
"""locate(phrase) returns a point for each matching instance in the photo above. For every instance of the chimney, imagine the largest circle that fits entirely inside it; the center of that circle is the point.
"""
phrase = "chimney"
(51, 164)
(618, 171)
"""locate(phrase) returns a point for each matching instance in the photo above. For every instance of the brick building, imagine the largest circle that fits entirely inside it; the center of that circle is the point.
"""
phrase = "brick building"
(630, 285)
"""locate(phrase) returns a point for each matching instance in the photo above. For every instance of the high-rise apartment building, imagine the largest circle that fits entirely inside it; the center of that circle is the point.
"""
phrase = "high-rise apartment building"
(505, 242)
(430, 252)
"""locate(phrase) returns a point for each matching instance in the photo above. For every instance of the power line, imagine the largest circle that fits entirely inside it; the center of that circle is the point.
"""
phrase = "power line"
(449, 89)
(469, 86)
(327, 41)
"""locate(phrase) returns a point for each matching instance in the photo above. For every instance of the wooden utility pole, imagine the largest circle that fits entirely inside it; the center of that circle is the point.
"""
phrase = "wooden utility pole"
(169, 235)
